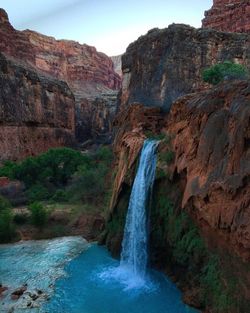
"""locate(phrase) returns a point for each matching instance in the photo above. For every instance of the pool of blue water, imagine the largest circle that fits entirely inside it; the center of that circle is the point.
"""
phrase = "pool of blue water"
(77, 277)
(88, 288)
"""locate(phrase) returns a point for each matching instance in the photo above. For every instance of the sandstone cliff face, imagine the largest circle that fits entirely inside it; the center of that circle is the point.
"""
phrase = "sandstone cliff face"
(228, 16)
(36, 112)
(88, 73)
(166, 64)
(209, 133)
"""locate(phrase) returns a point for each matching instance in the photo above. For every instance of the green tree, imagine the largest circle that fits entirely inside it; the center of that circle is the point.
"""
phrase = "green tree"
(224, 71)
(38, 214)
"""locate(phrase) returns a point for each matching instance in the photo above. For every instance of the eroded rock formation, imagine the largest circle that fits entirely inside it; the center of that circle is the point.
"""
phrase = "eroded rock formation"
(211, 132)
(228, 16)
(88, 73)
(166, 64)
(37, 112)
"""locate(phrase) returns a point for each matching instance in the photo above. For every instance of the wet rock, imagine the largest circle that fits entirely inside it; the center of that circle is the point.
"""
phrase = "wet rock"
(15, 295)
(2, 290)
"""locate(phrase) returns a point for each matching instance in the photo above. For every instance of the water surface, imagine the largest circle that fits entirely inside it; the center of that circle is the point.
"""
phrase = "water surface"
(77, 277)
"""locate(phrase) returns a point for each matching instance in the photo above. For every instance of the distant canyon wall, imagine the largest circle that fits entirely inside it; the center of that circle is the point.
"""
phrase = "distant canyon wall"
(228, 16)
(90, 74)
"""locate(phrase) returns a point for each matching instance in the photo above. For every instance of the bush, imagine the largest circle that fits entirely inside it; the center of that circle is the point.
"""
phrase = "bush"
(167, 157)
(60, 196)
(4, 203)
(224, 71)
(7, 230)
(37, 193)
(38, 214)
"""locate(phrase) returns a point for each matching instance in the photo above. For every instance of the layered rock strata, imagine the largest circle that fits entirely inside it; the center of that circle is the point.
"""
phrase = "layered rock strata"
(168, 63)
(88, 73)
(228, 16)
(37, 112)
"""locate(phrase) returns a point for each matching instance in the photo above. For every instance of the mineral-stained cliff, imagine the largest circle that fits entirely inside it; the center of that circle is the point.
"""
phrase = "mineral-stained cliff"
(228, 16)
(37, 112)
(203, 169)
(166, 64)
(88, 73)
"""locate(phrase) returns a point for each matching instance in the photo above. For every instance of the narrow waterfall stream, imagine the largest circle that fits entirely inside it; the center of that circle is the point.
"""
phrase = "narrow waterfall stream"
(134, 256)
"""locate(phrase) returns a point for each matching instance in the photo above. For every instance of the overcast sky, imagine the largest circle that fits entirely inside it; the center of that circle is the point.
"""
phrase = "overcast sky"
(109, 25)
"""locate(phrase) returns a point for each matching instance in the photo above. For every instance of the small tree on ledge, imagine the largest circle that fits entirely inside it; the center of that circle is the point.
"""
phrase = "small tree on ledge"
(224, 71)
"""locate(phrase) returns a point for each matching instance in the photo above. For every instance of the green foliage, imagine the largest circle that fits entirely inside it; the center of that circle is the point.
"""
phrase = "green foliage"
(37, 192)
(38, 214)
(7, 230)
(46, 176)
(60, 196)
(167, 157)
(215, 293)
(189, 251)
(89, 182)
(55, 166)
(8, 169)
(224, 71)
(4, 203)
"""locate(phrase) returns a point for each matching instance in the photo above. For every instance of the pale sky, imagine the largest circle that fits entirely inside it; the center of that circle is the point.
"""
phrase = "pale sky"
(109, 25)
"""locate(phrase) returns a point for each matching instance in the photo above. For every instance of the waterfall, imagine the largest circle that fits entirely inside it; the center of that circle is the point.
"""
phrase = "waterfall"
(134, 256)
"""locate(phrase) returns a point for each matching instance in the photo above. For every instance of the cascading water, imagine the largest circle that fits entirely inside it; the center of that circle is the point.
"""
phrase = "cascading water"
(134, 256)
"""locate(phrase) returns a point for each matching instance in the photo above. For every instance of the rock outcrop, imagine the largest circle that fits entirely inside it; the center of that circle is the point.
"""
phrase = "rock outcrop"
(228, 16)
(88, 73)
(37, 112)
(166, 64)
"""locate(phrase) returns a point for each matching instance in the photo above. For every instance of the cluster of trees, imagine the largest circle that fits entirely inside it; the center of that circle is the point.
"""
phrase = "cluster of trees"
(59, 175)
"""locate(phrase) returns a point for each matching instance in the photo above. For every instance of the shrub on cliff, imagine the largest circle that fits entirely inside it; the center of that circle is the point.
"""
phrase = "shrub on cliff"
(38, 214)
(4, 203)
(224, 71)
(7, 231)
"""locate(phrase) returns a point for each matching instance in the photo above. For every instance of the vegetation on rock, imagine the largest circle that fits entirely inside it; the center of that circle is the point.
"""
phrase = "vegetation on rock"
(7, 230)
(224, 71)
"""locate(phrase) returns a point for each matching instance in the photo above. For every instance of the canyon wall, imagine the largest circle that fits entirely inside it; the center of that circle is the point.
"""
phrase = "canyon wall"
(203, 171)
(37, 112)
(228, 16)
(89, 73)
(166, 64)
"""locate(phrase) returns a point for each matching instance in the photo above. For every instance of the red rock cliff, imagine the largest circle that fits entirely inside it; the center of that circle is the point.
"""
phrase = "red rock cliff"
(37, 112)
(89, 73)
(228, 16)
